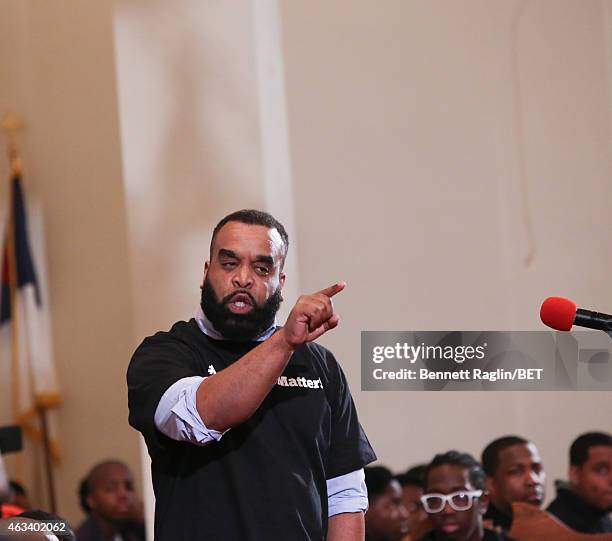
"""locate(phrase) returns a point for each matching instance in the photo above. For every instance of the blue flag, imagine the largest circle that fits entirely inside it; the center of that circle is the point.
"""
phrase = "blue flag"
(26, 274)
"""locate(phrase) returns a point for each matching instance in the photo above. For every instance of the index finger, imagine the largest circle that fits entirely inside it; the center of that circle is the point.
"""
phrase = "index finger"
(332, 290)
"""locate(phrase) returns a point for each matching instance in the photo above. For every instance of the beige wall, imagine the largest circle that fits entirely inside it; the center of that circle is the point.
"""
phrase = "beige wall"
(58, 73)
(424, 132)
(190, 135)
(420, 136)
(187, 87)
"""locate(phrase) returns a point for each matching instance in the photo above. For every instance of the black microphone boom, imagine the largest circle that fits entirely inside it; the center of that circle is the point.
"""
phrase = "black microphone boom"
(593, 320)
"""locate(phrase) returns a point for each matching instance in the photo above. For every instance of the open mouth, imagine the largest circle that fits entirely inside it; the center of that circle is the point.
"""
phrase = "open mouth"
(241, 303)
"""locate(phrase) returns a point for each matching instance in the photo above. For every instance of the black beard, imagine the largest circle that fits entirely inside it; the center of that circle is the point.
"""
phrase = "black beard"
(239, 327)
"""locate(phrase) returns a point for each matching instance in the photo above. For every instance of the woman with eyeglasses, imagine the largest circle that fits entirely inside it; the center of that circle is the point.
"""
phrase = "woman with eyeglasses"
(455, 499)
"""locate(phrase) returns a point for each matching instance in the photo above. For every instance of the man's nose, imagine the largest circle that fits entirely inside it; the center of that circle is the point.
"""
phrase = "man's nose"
(447, 509)
(123, 492)
(242, 277)
(534, 478)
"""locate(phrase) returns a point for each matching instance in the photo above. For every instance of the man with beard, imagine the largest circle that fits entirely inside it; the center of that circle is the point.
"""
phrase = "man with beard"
(585, 504)
(251, 428)
(455, 499)
(514, 474)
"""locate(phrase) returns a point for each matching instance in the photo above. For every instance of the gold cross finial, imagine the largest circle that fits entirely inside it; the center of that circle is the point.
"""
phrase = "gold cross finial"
(12, 124)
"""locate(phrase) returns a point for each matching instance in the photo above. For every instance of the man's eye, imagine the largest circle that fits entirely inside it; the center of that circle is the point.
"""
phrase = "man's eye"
(228, 264)
(262, 270)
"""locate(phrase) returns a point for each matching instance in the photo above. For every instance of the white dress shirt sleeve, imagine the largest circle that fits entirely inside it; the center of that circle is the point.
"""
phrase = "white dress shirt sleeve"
(347, 493)
(177, 416)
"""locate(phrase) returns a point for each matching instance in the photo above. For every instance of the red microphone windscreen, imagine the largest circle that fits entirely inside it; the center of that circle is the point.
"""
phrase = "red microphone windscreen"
(558, 313)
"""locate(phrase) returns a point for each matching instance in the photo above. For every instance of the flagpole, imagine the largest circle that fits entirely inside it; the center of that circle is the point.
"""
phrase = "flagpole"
(11, 124)
(47, 452)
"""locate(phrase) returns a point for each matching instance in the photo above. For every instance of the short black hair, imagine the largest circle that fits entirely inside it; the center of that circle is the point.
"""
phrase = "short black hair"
(465, 460)
(377, 479)
(17, 488)
(86, 484)
(490, 455)
(579, 451)
(83, 493)
(414, 476)
(253, 217)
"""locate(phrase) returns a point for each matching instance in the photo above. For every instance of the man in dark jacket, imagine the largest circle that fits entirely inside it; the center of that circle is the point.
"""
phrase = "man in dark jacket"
(584, 505)
(514, 473)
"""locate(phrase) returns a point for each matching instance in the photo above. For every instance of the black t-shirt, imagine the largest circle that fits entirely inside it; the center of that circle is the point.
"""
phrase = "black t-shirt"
(266, 478)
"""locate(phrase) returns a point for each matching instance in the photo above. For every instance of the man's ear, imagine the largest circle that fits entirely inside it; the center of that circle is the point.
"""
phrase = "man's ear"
(483, 503)
(574, 475)
(281, 281)
(206, 267)
(91, 502)
(489, 487)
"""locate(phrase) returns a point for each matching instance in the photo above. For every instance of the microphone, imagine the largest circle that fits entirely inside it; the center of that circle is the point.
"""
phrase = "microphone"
(561, 313)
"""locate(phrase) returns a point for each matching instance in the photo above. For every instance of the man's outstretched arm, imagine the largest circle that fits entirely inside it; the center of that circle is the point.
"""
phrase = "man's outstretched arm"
(346, 527)
(231, 396)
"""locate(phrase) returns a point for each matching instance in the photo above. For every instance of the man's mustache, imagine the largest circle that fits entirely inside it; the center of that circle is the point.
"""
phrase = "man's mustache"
(231, 296)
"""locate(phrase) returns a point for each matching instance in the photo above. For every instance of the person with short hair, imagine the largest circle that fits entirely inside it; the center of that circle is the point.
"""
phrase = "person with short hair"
(411, 482)
(251, 427)
(455, 499)
(387, 518)
(19, 496)
(514, 473)
(585, 504)
(114, 512)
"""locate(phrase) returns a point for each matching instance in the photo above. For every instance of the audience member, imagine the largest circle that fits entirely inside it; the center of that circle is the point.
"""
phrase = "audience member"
(585, 504)
(412, 489)
(19, 496)
(387, 518)
(455, 499)
(114, 512)
(514, 473)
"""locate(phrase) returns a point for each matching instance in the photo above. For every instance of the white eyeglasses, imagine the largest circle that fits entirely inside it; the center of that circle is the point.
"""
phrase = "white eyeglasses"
(462, 500)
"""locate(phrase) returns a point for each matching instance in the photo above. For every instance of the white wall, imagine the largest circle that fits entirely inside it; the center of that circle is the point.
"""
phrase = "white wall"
(422, 134)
